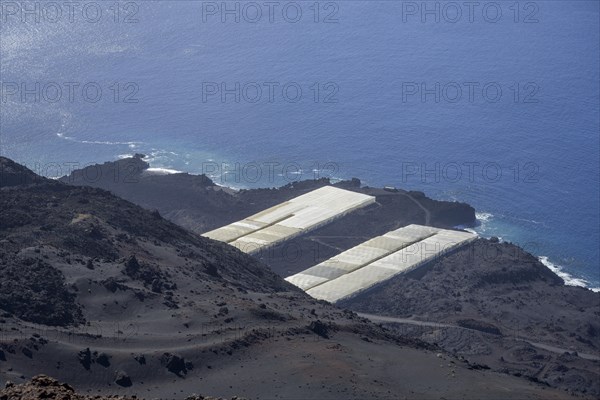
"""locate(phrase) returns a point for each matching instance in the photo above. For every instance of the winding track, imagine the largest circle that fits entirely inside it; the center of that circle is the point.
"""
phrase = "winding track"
(422, 207)
(543, 346)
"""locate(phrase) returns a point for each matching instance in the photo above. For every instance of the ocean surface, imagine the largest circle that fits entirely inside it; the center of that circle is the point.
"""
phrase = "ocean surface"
(497, 106)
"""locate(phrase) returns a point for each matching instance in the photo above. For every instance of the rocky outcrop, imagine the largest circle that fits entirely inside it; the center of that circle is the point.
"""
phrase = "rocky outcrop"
(176, 364)
(35, 291)
(45, 387)
(13, 174)
(122, 379)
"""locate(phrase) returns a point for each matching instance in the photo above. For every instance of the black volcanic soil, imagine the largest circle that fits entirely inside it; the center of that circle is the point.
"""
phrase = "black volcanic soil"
(499, 302)
(145, 307)
(13, 174)
(492, 296)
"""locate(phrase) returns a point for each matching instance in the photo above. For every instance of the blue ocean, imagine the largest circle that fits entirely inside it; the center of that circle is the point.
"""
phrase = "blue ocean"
(495, 103)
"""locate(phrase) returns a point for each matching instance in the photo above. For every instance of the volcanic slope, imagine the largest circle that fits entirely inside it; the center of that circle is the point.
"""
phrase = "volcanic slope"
(498, 306)
(112, 298)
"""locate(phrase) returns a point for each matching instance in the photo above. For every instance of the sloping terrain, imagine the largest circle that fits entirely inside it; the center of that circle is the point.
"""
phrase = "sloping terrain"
(459, 295)
(13, 174)
(496, 304)
(138, 305)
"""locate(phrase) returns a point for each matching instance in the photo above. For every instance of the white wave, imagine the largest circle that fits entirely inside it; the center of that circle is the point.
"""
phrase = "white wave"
(568, 278)
(482, 222)
(65, 123)
(162, 171)
(62, 135)
(107, 142)
(483, 216)
(158, 155)
(299, 172)
(230, 187)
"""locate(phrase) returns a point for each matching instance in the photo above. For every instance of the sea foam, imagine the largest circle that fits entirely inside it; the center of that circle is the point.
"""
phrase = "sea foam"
(162, 171)
(568, 278)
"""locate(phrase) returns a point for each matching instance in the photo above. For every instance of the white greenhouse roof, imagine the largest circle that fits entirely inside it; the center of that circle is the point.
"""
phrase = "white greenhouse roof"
(377, 260)
(291, 218)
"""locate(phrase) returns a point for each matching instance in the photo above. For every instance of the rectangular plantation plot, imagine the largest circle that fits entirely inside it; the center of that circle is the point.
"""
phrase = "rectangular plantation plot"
(305, 282)
(353, 282)
(290, 219)
(417, 245)
(445, 241)
(364, 254)
(359, 255)
(403, 260)
(236, 230)
(412, 233)
(277, 213)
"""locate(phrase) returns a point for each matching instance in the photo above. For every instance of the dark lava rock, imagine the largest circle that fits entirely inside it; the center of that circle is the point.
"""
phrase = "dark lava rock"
(150, 275)
(103, 359)
(156, 286)
(174, 363)
(27, 352)
(46, 381)
(561, 368)
(132, 266)
(85, 358)
(212, 270)
(141, 359)
(122, 379)
(49, 300)
(113, 285)
(478, 366)
(319, 328)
